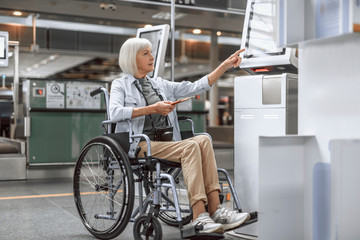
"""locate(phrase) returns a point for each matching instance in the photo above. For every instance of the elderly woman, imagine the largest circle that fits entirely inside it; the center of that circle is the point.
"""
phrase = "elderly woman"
(148, 103)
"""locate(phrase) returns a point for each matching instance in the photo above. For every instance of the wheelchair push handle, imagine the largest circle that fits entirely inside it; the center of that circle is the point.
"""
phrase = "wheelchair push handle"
(97, 91)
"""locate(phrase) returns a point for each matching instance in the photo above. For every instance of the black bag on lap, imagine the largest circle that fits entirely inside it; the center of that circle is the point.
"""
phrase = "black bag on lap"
(163, 133)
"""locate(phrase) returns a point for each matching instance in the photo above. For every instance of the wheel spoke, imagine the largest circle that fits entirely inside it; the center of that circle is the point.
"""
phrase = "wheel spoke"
(101, 189)
(153, 231)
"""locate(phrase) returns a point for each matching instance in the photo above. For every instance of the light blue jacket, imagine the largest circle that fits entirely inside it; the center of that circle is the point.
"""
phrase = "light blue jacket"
(124, 96)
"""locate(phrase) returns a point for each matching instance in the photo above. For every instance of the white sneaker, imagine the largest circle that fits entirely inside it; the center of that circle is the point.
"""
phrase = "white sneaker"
(229, 219)
(209, 226)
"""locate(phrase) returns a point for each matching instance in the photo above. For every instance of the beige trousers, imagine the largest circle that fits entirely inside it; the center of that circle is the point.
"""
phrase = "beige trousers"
(198, 163)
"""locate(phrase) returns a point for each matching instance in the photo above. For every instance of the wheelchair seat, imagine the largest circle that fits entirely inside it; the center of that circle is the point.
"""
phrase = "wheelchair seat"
(122, 140)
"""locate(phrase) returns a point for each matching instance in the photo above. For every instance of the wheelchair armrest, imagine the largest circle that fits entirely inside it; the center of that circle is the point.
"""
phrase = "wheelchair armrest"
(188, 119)
(109, 122)
(116, 121)
(204, 133)
(147, 139)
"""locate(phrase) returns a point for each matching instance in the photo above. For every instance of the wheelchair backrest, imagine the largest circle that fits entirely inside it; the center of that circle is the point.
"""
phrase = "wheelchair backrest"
(121, 138)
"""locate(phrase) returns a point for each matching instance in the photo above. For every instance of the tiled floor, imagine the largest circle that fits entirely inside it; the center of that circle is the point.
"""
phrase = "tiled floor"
(45, 209)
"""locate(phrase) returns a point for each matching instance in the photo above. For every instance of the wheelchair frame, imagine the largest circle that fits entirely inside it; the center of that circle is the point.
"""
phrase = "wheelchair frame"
(114, 174)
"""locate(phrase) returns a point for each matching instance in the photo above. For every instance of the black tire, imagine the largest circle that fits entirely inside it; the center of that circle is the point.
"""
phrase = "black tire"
(169, 217)
(154, 232)
(104, 187)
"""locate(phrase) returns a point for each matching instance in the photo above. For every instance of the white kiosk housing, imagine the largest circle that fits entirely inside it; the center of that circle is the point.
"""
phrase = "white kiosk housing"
(158, 36)
(265, 105)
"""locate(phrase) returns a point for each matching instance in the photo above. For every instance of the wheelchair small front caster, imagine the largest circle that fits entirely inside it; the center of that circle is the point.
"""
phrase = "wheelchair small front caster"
(147, 230)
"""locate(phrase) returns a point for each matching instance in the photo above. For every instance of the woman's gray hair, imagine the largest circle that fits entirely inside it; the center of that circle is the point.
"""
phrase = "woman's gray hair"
(128, 51)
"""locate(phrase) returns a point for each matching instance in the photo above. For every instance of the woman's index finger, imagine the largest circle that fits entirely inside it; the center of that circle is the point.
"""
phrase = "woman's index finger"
(241, 50)
(238, 52)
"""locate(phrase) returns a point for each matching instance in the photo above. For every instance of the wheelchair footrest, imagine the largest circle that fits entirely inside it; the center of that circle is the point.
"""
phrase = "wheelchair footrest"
(193, 233)
(253, 219)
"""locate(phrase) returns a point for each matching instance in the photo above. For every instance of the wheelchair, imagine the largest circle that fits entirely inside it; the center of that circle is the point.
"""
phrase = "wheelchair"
(104, 187)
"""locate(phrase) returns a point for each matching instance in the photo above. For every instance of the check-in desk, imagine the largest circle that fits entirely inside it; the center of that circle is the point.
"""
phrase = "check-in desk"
(265, 105)
(61, 117)
(12, 159)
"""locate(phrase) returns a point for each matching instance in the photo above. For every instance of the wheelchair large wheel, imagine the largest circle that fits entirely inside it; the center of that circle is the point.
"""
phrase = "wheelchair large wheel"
(167, 213)
(104, 188)
(153, 230)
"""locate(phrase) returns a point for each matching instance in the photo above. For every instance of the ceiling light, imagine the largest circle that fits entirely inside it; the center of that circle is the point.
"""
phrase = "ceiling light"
(103, 6)
(108, 6)
(218, 33)
(148, 26)
(196, 31)
(53, 57)
(17, 13)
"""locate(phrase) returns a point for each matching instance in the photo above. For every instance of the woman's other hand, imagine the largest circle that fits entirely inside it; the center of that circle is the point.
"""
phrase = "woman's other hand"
(164, 107)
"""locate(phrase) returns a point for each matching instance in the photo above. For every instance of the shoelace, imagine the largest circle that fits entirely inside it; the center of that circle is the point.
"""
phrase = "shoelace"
(226, 212)
(204, 221)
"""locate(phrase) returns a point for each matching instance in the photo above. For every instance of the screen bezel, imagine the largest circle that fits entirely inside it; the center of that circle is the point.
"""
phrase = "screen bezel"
(247, 29)
(4, 60)
(287, 58)
(161, 46)
(4, 48)
(141, 35)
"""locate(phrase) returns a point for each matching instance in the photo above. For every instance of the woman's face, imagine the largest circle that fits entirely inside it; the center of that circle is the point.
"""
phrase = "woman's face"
(144, 62)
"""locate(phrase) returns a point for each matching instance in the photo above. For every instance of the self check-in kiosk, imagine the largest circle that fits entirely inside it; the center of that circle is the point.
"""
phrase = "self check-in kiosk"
(265, 102)
(262, 54)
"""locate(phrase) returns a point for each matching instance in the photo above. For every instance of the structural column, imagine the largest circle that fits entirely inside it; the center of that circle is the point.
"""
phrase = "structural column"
(213, 94)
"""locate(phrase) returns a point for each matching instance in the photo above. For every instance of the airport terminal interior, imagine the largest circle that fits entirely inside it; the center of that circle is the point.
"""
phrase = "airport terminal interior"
(284, 123)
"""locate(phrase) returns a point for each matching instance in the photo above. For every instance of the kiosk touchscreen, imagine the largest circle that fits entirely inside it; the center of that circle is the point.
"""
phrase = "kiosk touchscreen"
(158, 36)
(262, 54)
(4, 43)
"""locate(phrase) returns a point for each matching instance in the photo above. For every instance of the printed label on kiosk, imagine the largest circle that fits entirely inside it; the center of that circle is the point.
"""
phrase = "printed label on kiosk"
(55, 95)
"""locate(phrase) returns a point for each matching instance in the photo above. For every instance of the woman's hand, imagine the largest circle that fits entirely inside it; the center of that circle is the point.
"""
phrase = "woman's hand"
(233, 61)
(164, 107)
